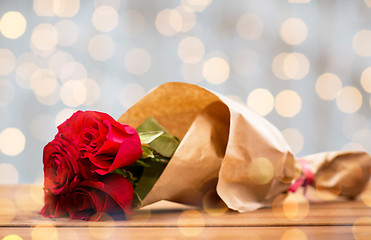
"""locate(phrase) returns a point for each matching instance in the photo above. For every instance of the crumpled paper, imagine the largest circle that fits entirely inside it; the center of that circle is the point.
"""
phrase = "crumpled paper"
(232, 154)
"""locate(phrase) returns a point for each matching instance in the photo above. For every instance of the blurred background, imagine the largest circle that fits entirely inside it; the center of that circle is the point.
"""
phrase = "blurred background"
(305, 65)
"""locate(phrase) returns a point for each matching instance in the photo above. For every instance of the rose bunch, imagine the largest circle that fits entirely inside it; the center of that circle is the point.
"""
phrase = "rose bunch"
(93, 165)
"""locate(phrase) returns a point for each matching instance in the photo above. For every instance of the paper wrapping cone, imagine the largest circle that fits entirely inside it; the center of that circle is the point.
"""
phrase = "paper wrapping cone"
(226, 150)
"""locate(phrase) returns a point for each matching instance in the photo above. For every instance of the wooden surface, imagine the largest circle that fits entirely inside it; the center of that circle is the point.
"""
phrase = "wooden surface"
(290, 218)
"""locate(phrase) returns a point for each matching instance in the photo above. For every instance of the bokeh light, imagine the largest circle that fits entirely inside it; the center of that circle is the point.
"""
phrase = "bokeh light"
(57, 61)
(130, 94)
(295, 66)
(294, 138)
(191, 223)
(43, 8)
(63, 115)
(43, 82)
(216, 70)
(182, 19)
(68, 32)
(293, 31)
(7, 62)
(288, 103)
(294, 234)
(260, 101)
(73, 93)
(66, 8)
(101, 47)
(24, 72)
(44, 37)
(349, 99)
(12, 237)
(250, 26)
(12, 141)
(366, 196)
(98, 232)
(137, 61)
(260, 171)
(295, 206)
(8, 174)
(328, 86)
(191, 50)
(44, 231)
(105, 18)
(352, 123)
(361, 228)
(8, 211)
(73, 71)
(366, 79)
(93, 92)
(163, 22)
(196, 5)
(368, 3)
(13, 24)
(361, 43)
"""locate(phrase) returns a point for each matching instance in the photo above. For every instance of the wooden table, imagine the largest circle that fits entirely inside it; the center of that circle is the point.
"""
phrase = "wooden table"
(291, 218)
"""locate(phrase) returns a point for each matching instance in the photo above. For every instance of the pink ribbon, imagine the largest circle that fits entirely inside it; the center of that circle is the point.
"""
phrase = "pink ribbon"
(307, 177)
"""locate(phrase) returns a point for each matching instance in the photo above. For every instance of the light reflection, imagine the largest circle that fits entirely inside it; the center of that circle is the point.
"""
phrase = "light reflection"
(295, 206)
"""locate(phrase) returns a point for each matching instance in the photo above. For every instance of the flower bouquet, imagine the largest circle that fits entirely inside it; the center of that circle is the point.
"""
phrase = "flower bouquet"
(185, 144)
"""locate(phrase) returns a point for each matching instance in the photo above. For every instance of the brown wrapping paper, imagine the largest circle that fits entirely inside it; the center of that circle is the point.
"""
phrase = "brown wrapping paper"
(232, 154)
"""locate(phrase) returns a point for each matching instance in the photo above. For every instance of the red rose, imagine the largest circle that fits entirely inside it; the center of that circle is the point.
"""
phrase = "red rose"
(55, 205)
(89, 200)
(60, 159)
(107, 143)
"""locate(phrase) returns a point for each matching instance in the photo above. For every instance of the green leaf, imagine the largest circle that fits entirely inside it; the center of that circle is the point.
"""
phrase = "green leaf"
(149, 177)
(165, 144)
(147, 153)
(148, 137)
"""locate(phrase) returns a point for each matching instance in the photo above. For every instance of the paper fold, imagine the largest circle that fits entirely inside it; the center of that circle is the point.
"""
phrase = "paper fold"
(231, 152)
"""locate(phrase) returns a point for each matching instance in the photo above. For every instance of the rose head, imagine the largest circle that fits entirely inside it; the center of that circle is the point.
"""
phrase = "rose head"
(61, 166)
(106, 143)
(89, 200)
